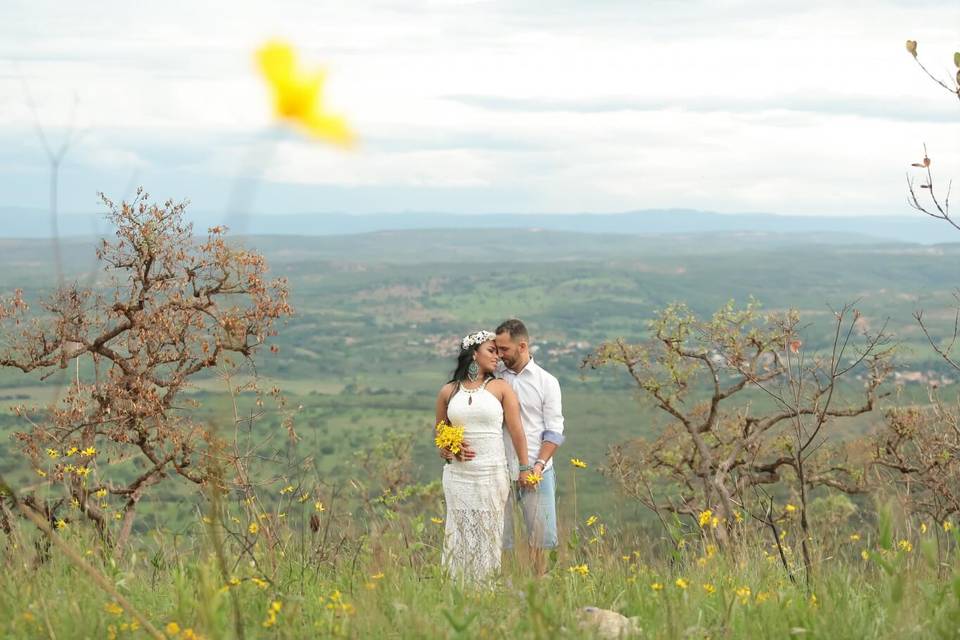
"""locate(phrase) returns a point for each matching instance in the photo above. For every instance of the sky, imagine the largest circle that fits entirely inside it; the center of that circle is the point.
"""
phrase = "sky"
(811, 108)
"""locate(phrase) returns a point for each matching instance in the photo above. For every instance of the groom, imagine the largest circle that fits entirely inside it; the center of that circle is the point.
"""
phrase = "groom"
(542, 415)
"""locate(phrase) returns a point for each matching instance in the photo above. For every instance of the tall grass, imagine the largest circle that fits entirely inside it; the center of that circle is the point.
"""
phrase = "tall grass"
(380, 577)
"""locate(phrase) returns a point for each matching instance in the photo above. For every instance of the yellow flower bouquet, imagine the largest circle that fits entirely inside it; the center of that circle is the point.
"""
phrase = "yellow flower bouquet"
(449, 437)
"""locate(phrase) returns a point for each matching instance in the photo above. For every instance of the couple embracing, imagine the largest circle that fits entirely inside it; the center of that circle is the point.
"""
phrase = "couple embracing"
(510, 410)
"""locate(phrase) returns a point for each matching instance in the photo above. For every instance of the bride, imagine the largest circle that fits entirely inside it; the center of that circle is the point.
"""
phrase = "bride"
(476, 490)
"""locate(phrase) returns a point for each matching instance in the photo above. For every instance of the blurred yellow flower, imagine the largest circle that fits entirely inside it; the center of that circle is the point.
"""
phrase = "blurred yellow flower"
(865, 554)
(923, 527)
(100, 493)
(53, 454)
(578, 463)
(113, 608)
(790, 508)
(287, 489)
(318, 507)
(591, 520)
(582, 569)
(681, 583)
(89, 452)
(743, 593)
(947, 525)
(262, 584)
(706, 517)
(61, 524)
(436, 520)
(854, 537)
(172, 628)
(709, 588)
(656, 586)
(43, 474)
(71, 451)
(297, 94)
(377, 576)
(905, 545)
(254, 528)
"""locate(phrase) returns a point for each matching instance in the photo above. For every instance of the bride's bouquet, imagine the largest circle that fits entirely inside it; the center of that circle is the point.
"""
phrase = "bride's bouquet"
(449, 437)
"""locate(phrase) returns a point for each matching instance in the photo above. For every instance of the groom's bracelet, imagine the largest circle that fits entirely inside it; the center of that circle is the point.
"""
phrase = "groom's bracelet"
(526, 467)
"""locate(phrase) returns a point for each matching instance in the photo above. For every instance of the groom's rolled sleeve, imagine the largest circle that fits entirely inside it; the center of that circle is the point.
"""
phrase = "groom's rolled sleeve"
(552, 413)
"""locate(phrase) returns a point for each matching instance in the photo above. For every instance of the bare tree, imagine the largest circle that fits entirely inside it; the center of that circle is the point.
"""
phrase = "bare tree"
(174, 307)
(721, 441)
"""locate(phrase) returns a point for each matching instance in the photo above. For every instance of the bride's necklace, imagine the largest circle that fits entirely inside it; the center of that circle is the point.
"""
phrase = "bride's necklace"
(470, 392)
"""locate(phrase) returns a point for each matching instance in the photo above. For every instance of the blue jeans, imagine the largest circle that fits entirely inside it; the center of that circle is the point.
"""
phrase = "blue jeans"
(539, 513)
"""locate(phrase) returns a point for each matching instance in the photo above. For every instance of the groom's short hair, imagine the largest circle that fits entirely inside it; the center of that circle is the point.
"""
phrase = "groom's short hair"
(515, 328)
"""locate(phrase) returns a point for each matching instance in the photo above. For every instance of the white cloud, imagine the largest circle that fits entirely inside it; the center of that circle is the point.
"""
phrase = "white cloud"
(580, 105)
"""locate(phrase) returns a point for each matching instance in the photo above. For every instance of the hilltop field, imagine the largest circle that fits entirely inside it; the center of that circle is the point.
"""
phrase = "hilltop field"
(344, 541)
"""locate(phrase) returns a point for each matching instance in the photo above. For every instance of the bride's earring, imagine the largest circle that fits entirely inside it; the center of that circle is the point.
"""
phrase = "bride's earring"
(473, 371)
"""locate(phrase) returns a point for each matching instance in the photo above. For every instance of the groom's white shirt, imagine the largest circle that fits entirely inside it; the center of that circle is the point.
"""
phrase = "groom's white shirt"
(541, 411)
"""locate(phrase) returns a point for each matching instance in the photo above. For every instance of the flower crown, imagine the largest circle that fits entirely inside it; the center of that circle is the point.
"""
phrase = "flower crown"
(477, 338)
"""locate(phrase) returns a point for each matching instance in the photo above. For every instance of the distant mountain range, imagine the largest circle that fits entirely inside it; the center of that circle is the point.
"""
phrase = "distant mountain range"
(917, 228)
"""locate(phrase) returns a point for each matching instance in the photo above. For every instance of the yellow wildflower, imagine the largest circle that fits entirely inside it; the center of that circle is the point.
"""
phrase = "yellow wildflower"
(261, 584)
(53, 454)
(303, 498)
(113, 608)
(172, 628)
(905, 545)
(578, 463)
(865, 554)
(681, 583)
(625, 558)
(947, 525)
(923, 527)
(709, 588)
(318, 507)
(188, 634)
(790, 508)
(254, 528)
(118, 516)
(738, 516)
(449, 437)
(71, 451)
(743, 593)
(272, 612)
(762, 597)
(297, 94)
(582, 569)
(705, 517)
(377, 576)
(533, 478)
(854, 537)
(61, 524)
(100, 493)
(656, 586)
(82, 471)
(41, 473)
(89, 452)
(436, 520)
(591, 520)
(287, 489)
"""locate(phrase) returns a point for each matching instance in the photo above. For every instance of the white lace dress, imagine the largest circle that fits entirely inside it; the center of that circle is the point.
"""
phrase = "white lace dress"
(476, 491)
